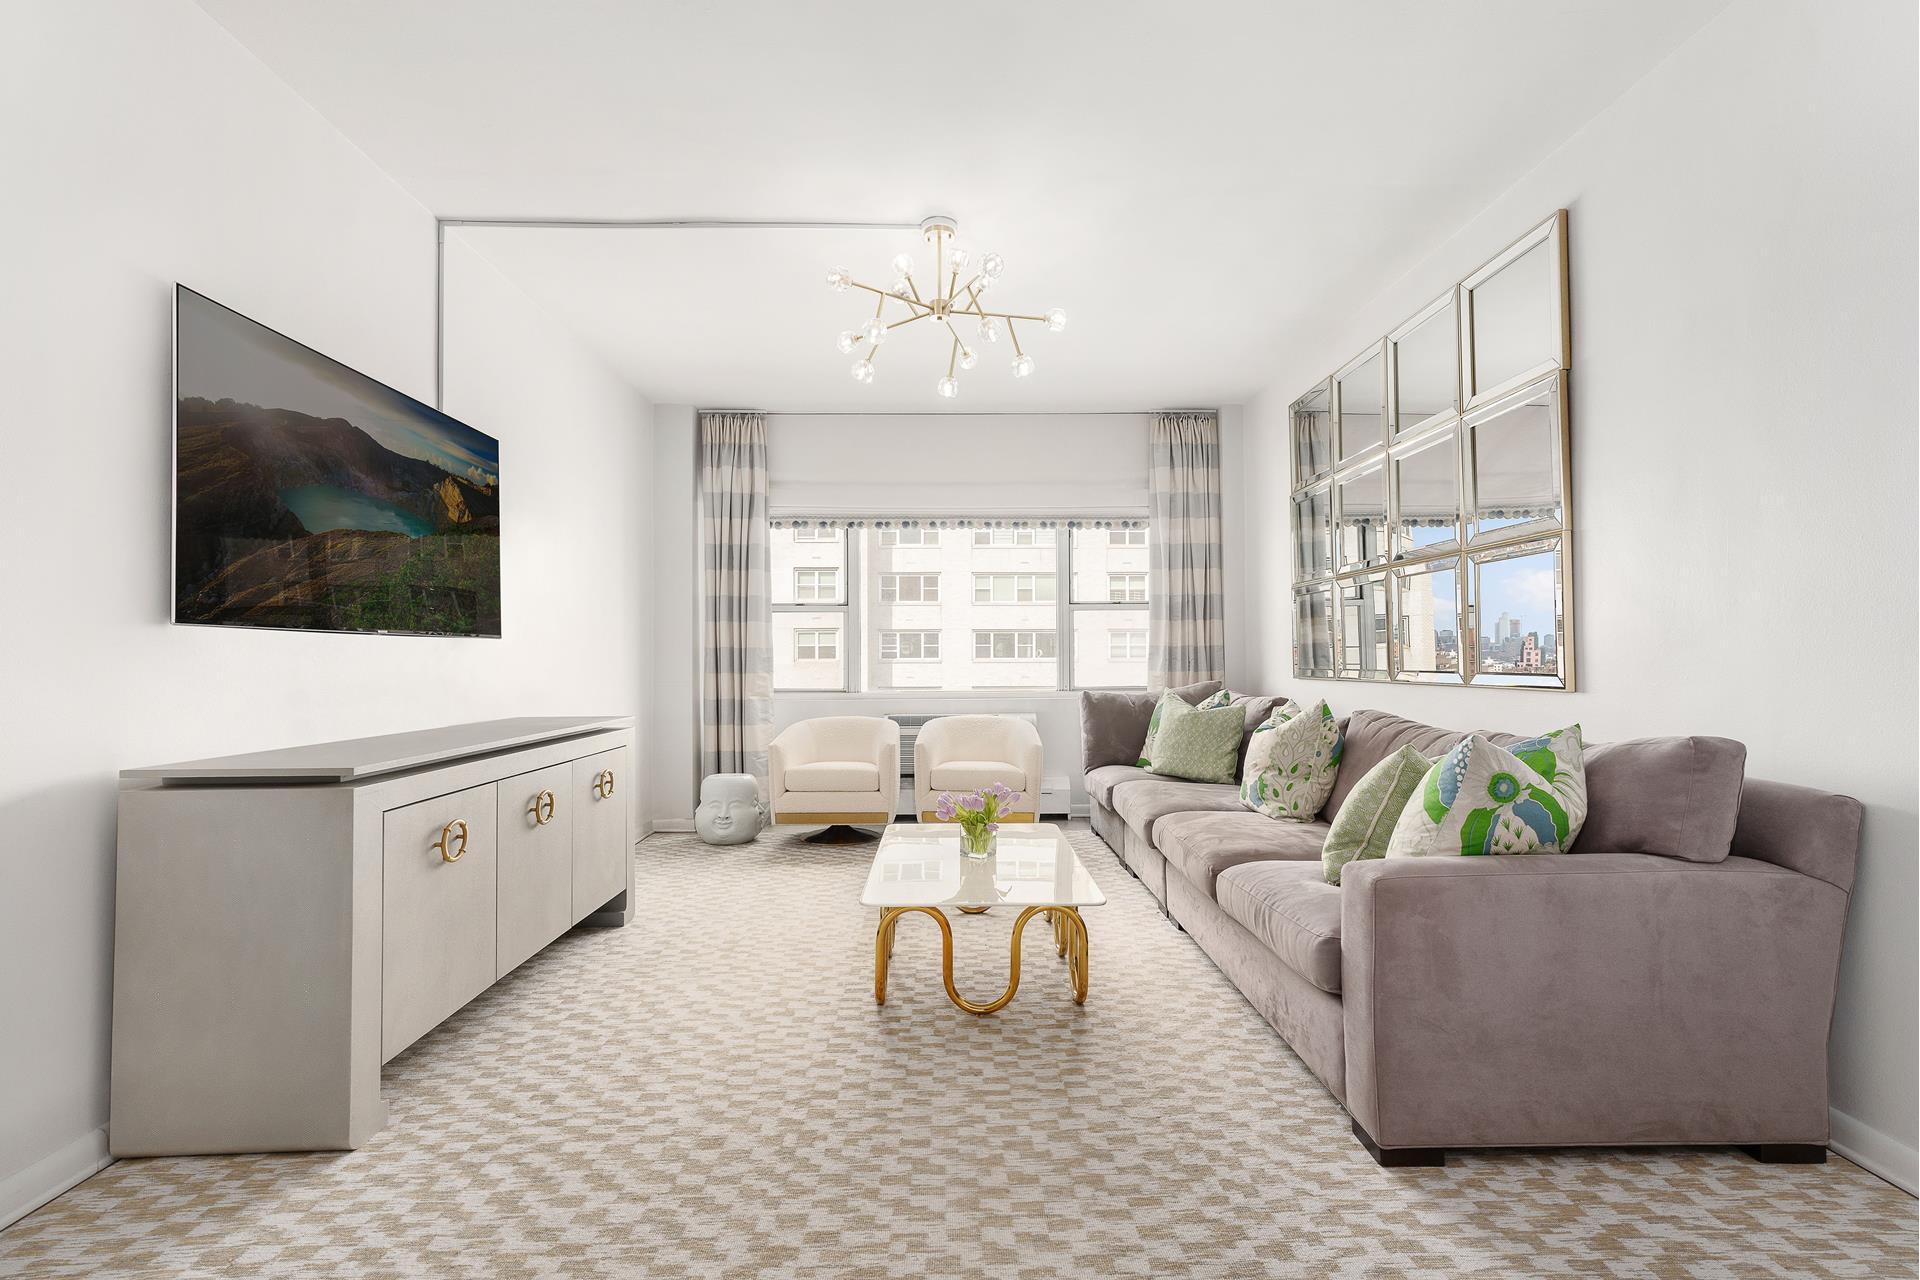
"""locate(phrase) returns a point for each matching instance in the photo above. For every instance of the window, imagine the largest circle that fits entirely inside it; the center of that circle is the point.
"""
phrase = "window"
(1013, 646)
(1107, 604)
(1127, 588)
(1012, 588)
(815, 645)
(909, 646)
(1013, 537)
(1127, 646)
(909, 537)
(816, 584)
(815, 533)
(1126, 537)
(909, 588)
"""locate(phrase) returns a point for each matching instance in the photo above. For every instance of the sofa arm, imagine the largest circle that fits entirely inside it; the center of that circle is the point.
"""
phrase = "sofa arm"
(1587, 999)
(889, 766)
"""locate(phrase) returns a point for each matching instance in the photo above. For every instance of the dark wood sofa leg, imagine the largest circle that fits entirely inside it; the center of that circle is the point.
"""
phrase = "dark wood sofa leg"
(1400, 1157)
(1787, 1153)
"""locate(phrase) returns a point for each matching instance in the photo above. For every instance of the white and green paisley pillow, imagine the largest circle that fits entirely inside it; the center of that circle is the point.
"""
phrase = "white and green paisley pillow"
(1480, 798)
(1292, 761)
(1210, 703)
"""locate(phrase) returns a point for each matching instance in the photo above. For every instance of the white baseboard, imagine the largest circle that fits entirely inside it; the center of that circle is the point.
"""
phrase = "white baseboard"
(1876, 1152)
(71, 1165)
(672, 824)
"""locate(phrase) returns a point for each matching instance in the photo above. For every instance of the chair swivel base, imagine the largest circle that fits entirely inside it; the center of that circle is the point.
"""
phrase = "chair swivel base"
(841, 833)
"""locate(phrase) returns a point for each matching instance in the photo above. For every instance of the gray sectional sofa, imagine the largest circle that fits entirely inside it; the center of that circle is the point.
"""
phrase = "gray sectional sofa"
(1668, 982)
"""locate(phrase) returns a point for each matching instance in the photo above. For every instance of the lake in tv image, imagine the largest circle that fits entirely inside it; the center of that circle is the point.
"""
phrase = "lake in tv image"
(309, 496)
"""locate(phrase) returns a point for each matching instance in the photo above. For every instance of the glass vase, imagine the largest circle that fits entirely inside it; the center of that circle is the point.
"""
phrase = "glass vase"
(978, 842)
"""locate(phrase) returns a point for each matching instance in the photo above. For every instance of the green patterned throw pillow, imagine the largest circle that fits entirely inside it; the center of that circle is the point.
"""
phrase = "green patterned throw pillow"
(1292, 761)
(1200, 743)
(1480, 798)
(1367, 817)
(1211, 701)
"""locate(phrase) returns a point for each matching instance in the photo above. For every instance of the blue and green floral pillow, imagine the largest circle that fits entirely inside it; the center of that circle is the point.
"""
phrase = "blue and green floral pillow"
(1480, 798)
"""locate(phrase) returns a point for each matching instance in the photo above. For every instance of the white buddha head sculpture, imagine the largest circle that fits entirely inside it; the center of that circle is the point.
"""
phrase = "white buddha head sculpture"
(730, 811)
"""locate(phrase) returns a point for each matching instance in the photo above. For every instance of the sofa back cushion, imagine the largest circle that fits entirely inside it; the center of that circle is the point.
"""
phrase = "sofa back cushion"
(1372, 736)
(1677, 797)
(1114, 725)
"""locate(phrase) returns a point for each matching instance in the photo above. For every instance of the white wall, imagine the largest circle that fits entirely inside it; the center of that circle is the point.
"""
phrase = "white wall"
(674, 709)
(140, 145)
(1742, 228)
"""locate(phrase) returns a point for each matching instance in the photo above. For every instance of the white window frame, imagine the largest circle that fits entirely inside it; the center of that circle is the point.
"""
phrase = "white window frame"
(1118, 594)
(825, 578)
(814, 533)
(816, 638)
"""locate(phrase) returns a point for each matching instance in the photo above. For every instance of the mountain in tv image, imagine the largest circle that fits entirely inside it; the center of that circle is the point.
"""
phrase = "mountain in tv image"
(315, 498)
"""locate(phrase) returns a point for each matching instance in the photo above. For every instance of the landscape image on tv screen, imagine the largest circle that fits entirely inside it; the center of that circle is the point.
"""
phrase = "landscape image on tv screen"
(308, 496)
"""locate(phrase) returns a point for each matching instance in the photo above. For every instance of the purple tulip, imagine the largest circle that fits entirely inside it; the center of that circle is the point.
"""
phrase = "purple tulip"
(943, 809)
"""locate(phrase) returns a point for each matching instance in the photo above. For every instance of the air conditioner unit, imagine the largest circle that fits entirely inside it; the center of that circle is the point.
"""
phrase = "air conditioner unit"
(1056, 794)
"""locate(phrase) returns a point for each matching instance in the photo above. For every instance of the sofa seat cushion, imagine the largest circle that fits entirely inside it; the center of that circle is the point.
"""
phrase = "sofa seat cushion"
(1291, 908)
(1202, 845)
(833, 775)
(1141, 804)
(973, 775)
(1102, 781)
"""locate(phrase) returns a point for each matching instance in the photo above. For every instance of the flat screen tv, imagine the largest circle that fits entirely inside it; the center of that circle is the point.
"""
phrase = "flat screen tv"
(309, 497)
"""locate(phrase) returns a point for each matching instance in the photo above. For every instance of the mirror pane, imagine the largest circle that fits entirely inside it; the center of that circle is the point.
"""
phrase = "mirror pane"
(1312, 435)
(1515, 479)
(1426, 368)
(1363, 396)
(1313, 534)
(1363, 629)
(1517, 600)
(1312, 638)
(1363, 516)
(1514, 325)
(1427, 477)
(1428, 609)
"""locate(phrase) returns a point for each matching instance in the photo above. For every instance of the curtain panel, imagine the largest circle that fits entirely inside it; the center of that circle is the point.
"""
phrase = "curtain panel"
(1186, 614)
(736, 686)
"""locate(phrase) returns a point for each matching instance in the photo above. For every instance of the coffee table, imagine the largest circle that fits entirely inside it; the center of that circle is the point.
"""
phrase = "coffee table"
(919, 867)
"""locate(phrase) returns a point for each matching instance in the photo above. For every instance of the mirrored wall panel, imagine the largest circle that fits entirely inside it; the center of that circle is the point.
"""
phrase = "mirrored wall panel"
(1363, 405)
(1431, 509)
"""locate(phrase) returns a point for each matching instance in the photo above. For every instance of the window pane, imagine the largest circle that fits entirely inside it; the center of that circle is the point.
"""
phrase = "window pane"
(807, 569)
(961, 609)
(1517, 602)
(1426, 368)
(1363, 395)
(1110, 648)
(1428, 477)
(1363, 629)
(808, 652)
(1515, 479)
(1514, 323)
(1312, 635)
(1312, 435)
(1363, 517)
(1427, 602)
(1313, 534)
(1098, 554)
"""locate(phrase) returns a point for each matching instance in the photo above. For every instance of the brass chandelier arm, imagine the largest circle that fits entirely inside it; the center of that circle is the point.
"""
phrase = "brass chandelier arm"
(911, 302)
(918, 315)
(1015, 336)
(954, 354)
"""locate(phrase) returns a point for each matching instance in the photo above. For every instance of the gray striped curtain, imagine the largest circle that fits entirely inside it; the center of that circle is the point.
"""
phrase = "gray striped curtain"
(1186, 616)
(736, 687)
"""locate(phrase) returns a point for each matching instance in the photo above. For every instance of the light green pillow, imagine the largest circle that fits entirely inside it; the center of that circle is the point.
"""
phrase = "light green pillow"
(1201, 744)
(1292, 761)
(1480, 798)
(1212, 700)
(1367, 817)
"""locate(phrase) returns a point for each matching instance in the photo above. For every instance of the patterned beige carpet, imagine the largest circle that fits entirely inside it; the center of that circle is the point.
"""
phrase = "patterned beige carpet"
(712, 1092)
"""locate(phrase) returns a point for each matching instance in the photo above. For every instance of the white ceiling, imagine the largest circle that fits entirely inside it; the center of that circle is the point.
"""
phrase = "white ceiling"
(1189, 181)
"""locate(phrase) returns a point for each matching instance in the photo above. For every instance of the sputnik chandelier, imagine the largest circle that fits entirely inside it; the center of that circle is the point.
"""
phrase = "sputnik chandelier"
(945, 300)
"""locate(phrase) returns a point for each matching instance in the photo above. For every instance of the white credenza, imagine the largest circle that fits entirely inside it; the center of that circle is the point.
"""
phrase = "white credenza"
(287, 921)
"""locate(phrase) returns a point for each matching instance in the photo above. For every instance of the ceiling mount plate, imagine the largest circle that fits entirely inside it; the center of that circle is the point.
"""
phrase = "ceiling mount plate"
(939, 222)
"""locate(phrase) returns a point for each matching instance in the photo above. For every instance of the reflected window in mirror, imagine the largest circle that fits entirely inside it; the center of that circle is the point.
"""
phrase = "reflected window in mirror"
(1312, 434)
(1363, 628)
(1363, 406)
(1426, 477)
(1313, 534)
(1312, 632)
(1426, 366)
(1514, 456)
(1519, 610)
(1514, 326)
(1363, 516)
(1427, 622)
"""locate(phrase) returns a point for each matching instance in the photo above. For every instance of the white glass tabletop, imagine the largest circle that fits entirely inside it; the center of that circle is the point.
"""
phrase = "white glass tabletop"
(920, 865)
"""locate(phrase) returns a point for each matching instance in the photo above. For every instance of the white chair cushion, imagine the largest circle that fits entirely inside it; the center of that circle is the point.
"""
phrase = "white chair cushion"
(833, 775)
(971, 775)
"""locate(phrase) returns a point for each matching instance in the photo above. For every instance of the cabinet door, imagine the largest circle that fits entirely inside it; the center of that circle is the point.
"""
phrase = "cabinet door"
(536, 863)
(437, 927)
(600, 847)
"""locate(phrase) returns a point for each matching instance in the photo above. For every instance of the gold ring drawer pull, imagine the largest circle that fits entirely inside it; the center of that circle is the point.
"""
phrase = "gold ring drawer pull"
(603, 784)
(542, 809)
(449, 834)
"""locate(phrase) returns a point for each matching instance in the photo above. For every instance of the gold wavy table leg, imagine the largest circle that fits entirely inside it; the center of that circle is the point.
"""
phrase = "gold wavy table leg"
(974, 911)
(1070, 938)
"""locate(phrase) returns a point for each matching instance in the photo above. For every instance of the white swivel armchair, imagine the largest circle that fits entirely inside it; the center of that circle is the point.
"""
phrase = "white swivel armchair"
(833, 772)
(966, 753)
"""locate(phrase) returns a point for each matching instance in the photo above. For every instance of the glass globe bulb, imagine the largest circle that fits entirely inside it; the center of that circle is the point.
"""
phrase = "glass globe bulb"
(901, 289)
(983, 284)
(947, 387)
(958, 259)
(903, 265)
(862, 371)
(992, 265)
(1022, 366)
(990, 329)
(839, 279)
(1056, 319)
(846, 341)
(873, 331)
(968, 358)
